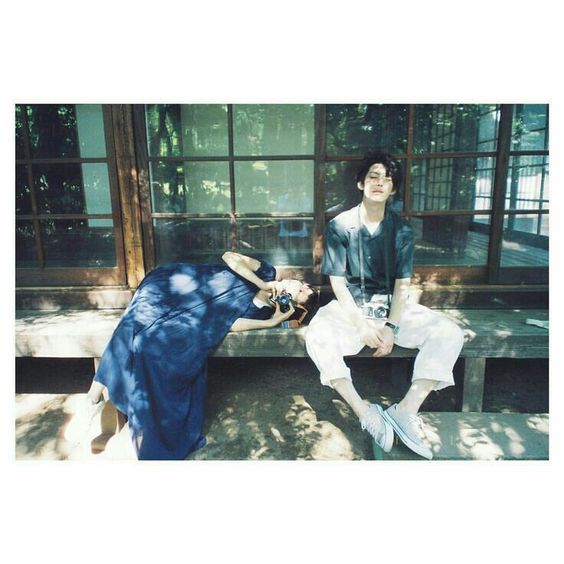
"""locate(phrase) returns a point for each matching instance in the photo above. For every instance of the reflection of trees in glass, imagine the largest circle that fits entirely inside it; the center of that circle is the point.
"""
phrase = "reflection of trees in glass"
(167, 187)
(273, 129)
(341, 192)
(207, 187)
(163, 130)
(530, 127)
(60, 188)
(204, 130)
(26, 254)
(19, 132)
(198, 241)
(71, 242)
(52, 130)
(274, 186)
(23, 199)
(353, 129)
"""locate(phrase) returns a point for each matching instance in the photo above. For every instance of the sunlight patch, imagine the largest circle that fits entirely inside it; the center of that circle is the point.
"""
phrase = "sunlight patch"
(182, 284)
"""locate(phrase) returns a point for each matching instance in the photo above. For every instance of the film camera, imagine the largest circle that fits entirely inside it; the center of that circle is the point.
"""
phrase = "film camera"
(285, 300)
(375, 310)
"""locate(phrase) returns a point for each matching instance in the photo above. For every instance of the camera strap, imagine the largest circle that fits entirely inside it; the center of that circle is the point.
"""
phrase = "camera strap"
(361, 259)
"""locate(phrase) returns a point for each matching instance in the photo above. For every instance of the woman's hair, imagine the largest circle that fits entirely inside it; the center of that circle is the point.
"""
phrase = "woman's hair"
(391, 164)
(311, 304)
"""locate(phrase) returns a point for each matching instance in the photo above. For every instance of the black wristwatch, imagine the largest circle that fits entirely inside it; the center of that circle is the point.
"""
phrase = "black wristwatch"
(392, 326)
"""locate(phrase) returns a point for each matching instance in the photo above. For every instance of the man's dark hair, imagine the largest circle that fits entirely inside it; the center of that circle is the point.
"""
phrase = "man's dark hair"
(391, 164)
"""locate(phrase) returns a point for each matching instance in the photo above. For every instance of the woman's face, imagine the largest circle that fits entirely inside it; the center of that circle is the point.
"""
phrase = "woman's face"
(299, 291)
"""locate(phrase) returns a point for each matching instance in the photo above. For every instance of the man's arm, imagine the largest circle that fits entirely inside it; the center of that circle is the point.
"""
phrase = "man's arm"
(399, 298)
(369, 334)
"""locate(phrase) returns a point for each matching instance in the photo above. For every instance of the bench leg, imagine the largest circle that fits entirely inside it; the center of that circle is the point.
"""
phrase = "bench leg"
(473, 387)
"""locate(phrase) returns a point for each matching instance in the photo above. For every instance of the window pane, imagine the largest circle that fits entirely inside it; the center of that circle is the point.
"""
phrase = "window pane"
(530, 127)
(199, 241)
(527, 183)
(452, 184)
(52, 130)
(274, 186)
(525, 240)
(446, 241)
(273, 129)
(163, 130)
(23, 197)
(341, 192)
(190, 187)
(460, 127)
(78, 242)
(26, 249)
(204, 130)
(279, 241)
(207, 187)
(73, 188)
(354, 129)
(20, 154)
(90, 126)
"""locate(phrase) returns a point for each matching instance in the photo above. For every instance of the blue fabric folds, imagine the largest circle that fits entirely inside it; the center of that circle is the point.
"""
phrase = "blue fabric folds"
(155, 365)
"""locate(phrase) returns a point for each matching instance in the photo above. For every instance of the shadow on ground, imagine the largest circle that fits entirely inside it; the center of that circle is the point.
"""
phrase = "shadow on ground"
(262, 409)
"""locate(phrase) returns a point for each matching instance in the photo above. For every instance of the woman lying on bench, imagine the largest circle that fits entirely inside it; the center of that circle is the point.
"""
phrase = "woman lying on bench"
(155, 366)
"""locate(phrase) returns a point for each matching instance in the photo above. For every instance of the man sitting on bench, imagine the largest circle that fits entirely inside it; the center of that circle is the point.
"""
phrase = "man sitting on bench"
(368, 255)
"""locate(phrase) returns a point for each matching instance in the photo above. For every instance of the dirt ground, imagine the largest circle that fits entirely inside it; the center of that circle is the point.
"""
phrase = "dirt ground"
(266, 409)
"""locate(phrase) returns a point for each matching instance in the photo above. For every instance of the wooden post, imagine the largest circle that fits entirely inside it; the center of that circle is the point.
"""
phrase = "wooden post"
(127, 174)
(473, 388)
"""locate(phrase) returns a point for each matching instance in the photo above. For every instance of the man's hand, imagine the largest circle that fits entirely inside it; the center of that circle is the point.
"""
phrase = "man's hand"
(370, 334)
(387, 340)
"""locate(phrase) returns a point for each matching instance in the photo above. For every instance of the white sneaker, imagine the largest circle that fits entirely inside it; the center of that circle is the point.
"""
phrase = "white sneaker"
(81, 421)
(409, 429)
(381, 431)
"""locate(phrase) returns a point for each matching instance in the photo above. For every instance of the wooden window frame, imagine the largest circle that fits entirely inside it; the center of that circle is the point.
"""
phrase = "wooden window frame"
(44, 275)
(148, 215)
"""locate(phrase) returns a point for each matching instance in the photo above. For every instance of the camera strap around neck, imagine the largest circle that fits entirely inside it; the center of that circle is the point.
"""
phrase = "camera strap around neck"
(361, 259)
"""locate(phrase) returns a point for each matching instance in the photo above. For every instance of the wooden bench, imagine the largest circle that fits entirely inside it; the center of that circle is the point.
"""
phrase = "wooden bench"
(489, 333)
(471, 434)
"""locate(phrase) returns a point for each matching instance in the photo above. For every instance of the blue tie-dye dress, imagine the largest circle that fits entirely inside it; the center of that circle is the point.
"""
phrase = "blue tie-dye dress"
(155, 365)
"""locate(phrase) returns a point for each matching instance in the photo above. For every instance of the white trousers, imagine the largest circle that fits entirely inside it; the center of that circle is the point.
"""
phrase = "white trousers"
(330, 336)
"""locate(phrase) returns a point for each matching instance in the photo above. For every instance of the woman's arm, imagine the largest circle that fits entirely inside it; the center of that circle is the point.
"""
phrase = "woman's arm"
(245, 267)
(243, 324)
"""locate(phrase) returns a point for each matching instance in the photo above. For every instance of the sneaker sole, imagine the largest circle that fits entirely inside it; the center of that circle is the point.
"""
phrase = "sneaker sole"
(388, 432)
(406, 440)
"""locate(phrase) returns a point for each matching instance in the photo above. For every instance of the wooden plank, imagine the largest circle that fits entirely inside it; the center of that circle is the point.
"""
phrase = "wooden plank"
(84, 334)
(480, 436)
(473, 386)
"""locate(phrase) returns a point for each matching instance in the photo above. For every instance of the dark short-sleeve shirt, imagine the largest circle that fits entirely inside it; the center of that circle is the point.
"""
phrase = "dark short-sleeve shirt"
(341, 255)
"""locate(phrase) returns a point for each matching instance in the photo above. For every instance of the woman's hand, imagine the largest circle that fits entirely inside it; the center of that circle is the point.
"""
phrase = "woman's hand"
(278, 316)
(274, 287)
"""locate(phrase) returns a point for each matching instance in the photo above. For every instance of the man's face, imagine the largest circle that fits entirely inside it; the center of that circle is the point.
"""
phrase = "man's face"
(376, 186)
